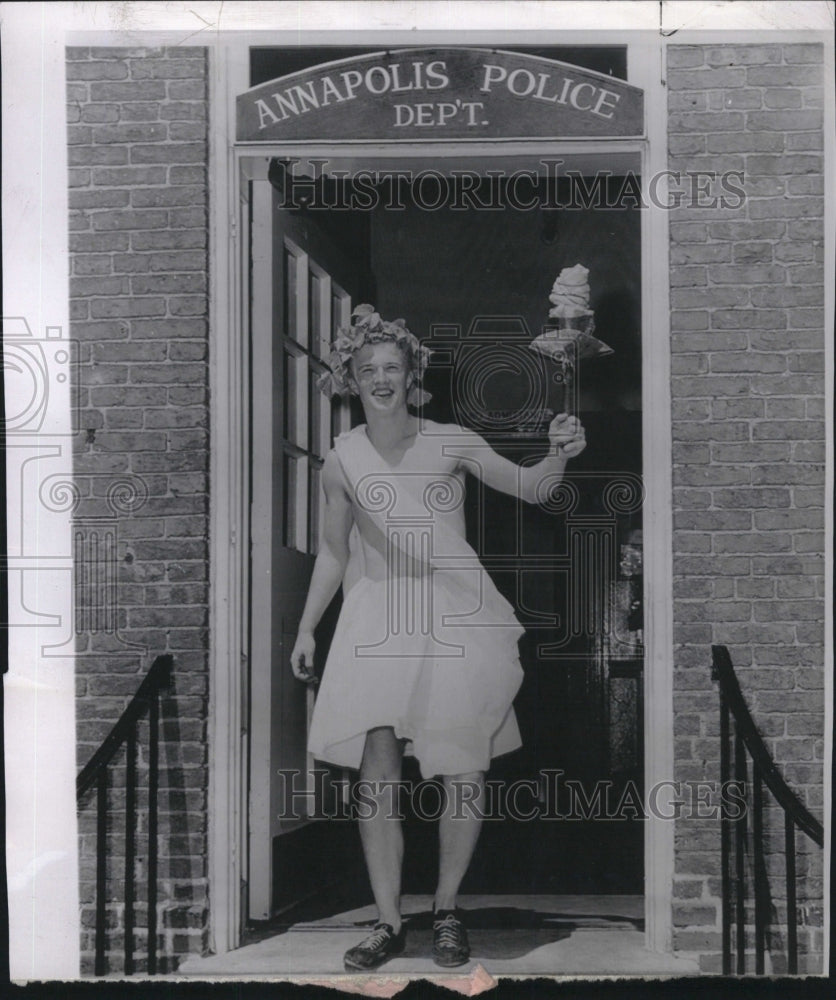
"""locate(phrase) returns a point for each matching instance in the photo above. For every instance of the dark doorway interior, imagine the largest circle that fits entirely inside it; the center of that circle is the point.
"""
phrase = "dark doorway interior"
(580, 707)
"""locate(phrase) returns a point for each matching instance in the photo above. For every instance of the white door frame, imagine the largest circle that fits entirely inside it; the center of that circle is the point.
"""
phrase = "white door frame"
(229, 527)
(228, 512)
(649, 55)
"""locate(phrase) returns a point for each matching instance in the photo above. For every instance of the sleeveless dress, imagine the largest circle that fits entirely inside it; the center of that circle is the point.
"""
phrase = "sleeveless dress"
(428, 645)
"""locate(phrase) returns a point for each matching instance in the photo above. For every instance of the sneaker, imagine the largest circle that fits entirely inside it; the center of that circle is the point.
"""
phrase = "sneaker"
(450, 944)
(381, 945)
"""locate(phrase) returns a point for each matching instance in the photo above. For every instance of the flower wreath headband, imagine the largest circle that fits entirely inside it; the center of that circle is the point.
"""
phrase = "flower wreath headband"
(368, 328)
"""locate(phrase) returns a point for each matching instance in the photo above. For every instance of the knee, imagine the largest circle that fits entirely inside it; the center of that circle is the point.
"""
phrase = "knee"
(470, 779)
(464, 793)
(381, 757)
(378, 794)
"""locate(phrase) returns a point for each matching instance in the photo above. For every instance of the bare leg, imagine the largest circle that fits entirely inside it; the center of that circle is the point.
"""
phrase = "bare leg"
(381, 833)
(458, 832)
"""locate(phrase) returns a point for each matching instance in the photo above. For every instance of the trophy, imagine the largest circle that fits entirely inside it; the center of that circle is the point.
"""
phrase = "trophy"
(568, 339)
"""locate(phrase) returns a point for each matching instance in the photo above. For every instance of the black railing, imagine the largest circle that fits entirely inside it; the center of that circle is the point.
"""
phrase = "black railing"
(764, 772)
(125, 733)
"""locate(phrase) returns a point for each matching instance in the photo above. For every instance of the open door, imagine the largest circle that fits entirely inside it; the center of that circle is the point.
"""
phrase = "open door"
(304, 280)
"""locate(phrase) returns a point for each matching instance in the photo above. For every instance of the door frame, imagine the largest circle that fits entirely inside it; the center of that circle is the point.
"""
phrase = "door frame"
(229, 458)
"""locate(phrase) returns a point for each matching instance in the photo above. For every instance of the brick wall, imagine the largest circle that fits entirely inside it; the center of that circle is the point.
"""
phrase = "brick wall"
(747, 329)
(138, 287)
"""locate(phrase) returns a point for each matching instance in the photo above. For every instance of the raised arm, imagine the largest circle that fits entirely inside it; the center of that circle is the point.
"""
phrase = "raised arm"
(567, 438)
(329, 567)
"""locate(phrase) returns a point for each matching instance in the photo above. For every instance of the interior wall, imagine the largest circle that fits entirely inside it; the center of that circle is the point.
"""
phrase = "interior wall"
(450, 267)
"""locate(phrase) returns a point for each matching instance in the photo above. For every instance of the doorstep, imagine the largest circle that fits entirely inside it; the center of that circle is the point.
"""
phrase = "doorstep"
(510, 935)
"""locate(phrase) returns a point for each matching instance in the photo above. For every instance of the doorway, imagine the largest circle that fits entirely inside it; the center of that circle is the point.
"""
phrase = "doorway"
(476, 281)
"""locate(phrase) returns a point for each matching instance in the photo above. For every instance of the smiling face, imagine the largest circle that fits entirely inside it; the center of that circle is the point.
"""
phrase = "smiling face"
(381, 376)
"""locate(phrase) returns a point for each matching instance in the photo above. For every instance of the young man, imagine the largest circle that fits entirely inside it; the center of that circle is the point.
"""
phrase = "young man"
(425, 649)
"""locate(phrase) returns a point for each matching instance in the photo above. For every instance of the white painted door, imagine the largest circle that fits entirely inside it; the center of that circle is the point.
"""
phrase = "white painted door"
(301, 291)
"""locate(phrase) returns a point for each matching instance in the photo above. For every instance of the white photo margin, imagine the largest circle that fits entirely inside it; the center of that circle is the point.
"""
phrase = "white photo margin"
(41, 846)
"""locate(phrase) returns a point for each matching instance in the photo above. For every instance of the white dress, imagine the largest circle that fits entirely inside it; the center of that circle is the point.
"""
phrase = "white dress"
(425, 642)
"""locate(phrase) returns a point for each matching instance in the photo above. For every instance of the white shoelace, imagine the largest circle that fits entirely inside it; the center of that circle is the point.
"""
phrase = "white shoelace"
(376, 939)
(449, 932)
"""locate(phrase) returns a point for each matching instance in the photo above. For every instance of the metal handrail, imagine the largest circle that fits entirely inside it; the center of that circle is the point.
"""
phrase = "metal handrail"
(796, 814)
(124, 733)
(784, 795)
(157, 678)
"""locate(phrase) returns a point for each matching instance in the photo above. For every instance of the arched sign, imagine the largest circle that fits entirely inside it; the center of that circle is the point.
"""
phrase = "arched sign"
(441, 93)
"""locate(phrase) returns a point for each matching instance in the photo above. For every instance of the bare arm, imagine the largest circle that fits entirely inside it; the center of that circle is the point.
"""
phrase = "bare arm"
(567, 438)
(329, 567)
